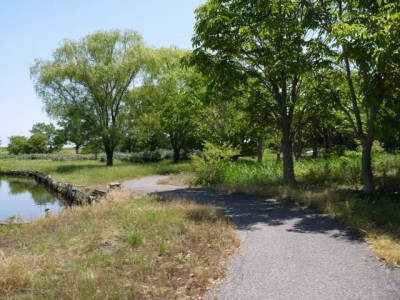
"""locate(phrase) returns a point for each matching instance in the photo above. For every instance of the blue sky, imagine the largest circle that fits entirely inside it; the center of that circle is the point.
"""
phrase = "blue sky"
(32, 29)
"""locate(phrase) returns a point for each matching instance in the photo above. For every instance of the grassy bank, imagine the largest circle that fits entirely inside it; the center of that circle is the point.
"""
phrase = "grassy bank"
(92, 172)
(330, 185)
(144, 248)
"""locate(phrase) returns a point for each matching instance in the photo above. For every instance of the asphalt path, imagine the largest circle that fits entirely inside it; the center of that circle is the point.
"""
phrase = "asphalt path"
(288, 252)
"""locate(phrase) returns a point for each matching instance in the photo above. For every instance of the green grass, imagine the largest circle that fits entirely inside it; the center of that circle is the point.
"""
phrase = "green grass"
(92, 172)
(144, 248)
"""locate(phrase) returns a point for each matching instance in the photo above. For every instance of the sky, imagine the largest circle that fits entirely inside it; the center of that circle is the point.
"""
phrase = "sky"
(31, 29)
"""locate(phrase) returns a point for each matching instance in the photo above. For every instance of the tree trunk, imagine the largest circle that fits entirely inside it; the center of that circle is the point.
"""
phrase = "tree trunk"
(298, 146)
(260, 148)
(288, 163)
(109, 149)
(328, 144)
(315, 150)
(177, 140)
(176, 157)
(366, 167)
(109, 155)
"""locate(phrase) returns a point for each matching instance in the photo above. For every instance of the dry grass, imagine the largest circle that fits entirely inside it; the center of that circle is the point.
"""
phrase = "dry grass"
(122, 248)
(377, 220)
(386, 248)
(179, 179)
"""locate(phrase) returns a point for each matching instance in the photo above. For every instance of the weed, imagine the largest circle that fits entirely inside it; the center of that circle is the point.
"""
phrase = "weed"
(134, 237)
(211, 246)
(119, 249)
(162, 247)
(182, 258)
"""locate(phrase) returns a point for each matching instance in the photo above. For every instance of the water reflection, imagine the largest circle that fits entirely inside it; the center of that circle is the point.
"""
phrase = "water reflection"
(25, 199)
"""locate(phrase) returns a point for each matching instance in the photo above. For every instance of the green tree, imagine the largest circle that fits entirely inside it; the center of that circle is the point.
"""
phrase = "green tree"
(364, 36)
(74, 129)
(268, 42)
(174, 92)
(94, 76)
(221, 121)
(18, 145)
(143, 130)
(37, 143)
(45, 138)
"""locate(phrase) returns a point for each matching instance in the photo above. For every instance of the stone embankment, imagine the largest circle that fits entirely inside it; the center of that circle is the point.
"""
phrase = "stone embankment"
(70, 193)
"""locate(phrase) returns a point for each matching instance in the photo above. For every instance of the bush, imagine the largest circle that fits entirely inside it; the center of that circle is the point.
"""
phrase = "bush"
(150, 156)
(210, 165)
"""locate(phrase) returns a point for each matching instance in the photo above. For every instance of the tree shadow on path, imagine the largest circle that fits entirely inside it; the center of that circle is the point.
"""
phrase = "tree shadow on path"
(249, 212)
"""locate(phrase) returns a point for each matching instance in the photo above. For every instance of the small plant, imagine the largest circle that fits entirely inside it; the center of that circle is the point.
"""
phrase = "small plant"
(135, 237)
(182, 258)
(211, 246)
(162, 248)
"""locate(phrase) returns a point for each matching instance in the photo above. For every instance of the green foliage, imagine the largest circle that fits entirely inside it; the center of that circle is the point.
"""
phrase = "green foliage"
(150, 156)
(172, 106)
(367, 52)
(249, 172)
(18, 145)
(37, 143)
(44, 139)
(210, 165)
(332, 173)
(92, 79)
(262, 51)
(47, 138)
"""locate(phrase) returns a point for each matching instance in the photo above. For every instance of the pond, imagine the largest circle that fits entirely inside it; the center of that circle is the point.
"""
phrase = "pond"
(25, 200)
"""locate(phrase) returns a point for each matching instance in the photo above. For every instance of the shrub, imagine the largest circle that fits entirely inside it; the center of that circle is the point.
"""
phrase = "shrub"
(210, 165)
(151, 156)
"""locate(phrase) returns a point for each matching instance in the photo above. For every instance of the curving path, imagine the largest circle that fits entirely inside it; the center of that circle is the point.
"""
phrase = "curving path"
(288, 252)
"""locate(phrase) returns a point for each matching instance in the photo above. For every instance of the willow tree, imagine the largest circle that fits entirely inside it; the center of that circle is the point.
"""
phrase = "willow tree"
(93, 77)
(273, 43)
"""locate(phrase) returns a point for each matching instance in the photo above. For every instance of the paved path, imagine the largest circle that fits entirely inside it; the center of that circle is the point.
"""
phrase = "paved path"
(288, 252)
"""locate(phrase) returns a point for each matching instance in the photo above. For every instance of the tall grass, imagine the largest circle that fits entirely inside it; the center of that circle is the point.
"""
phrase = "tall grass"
(334, 172)
(140, 249)
(248, 172)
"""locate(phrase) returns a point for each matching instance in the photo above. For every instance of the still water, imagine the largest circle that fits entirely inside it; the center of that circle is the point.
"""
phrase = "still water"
(25, 200)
